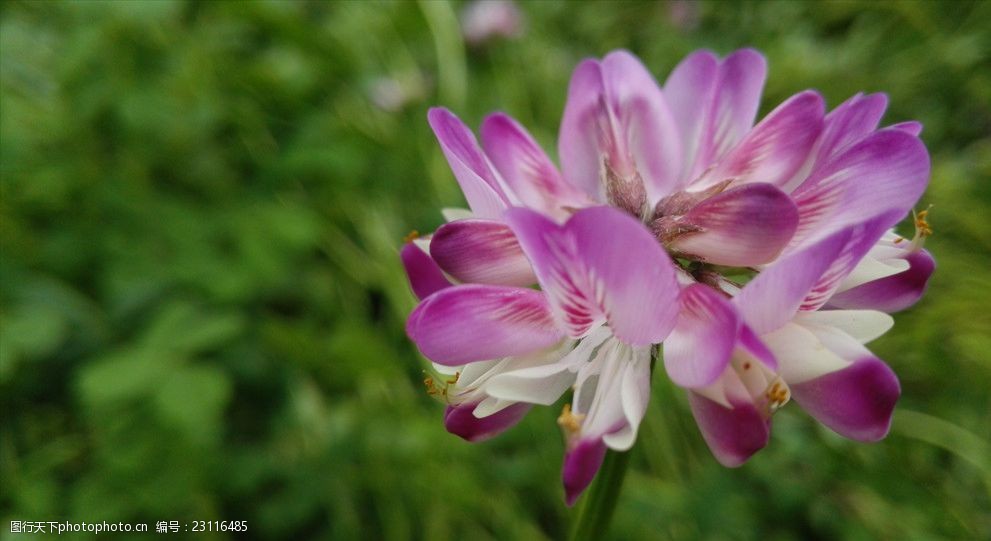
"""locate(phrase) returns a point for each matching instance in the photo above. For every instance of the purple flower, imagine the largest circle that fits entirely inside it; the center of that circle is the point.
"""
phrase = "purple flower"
(665, 196)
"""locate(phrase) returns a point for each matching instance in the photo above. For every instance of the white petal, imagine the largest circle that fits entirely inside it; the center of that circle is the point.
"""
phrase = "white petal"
(862, 325)
(801, 355)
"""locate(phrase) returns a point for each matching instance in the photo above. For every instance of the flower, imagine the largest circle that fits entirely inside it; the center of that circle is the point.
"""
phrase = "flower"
(665, 196)
(484, 20)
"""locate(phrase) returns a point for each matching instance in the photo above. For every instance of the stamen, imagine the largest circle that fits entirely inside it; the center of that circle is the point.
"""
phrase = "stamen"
(922, 228)
(777, 395)
(570, 423)
(413, 235)
(440, 391)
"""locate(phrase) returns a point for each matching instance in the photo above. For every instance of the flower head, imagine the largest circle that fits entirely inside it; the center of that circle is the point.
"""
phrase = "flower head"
(760, 256)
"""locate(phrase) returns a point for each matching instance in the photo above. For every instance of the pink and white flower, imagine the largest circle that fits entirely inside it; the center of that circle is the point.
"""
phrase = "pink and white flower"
(698, 193)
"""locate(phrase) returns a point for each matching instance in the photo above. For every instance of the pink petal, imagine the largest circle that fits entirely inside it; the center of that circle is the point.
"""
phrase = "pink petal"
(714, 104)
(856, 402)
(701, 344)
(578, 148)
(689, 91)
(733, 434)
(860, 239)
(482, 252)
(645, 120)
(615, 109)
(771, 299)
(805, 279)
(580, 466)
(425, 277)
(775, 149)
(477, 180)
(850, 122)
(601, 266)
(461, 421)
(910, 127)
(741, 227)
(527, 169)
(888, 170)
(469, 323)
(891, 293)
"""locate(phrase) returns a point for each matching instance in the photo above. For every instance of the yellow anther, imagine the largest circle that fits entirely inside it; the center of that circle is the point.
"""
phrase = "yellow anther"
(921, 225)
(777, 395)
(571, 423)
(413, 235)
(922, 228)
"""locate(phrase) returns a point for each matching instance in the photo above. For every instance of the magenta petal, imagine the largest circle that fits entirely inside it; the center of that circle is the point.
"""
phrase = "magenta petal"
(891, 293)
(469, 323)
(461, 421)
(425, 277)
(689, 91)
(701, 344)
(578, 149)
(481, 252)
(580, 466)
(601, 266)
(860, 239)
(856, 401)
(477, 180)
(733, 435)
(888, 170)
(714, 103)
(644, 120)
(777, 147)
(850, 122)
(806, 278)
(741, 227)
(526, 168)
(910, 127)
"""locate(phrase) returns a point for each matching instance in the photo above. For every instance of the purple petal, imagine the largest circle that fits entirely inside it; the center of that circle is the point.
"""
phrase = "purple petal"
(527, 169)
(601, 266)
(910, 127)
(461, 421)
(469, 323)
(645, 120)
(477, 180)
(776, 148)
(425, 277)
(689, 91)
(578, 148)
(861, 238)
(856, 401)
(701, 344)
(733, 434)
(714, 104)
(886, 171)
(850, 122)
(482, 252)
(771, 299)
(580, 466)
(805, 279)
(741, 227)
(891, 293)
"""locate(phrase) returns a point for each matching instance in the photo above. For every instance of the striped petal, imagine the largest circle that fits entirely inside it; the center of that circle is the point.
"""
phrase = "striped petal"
(527, 170)
(482, 252)
(701, 344)
(478, 182)
(470, 323)
(602, 266)
(741, 227)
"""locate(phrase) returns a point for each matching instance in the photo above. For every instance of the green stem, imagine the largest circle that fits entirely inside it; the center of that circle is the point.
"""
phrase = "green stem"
(600, 501)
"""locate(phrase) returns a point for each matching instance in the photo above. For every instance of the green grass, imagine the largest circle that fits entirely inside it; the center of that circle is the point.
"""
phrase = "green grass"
(202, 303)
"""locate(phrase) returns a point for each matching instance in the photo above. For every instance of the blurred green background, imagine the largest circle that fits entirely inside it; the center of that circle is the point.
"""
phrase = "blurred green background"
(202, 303)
